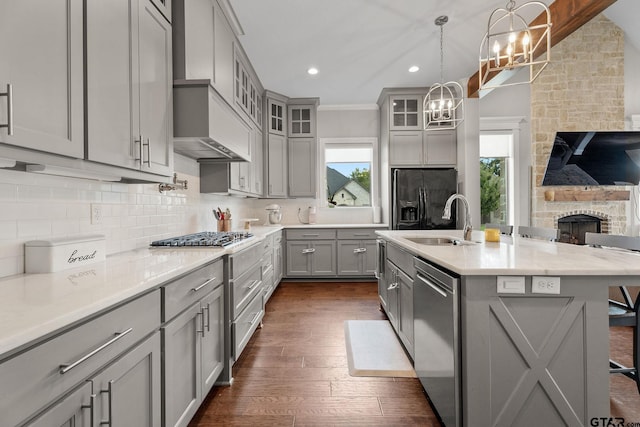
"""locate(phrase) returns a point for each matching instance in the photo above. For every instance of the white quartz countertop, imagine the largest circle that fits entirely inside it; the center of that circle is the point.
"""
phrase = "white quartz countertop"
(34, 306)
(517, 256)
(341, 226)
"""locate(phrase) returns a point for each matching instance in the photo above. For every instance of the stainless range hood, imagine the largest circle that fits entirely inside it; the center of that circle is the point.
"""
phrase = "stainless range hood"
(205, 126)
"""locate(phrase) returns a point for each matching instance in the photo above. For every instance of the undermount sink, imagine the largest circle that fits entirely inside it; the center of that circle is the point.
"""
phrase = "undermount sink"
(439, 241)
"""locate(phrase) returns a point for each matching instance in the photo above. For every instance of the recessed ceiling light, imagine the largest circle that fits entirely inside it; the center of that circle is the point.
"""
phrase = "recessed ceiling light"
(313, 71)
(414, 68)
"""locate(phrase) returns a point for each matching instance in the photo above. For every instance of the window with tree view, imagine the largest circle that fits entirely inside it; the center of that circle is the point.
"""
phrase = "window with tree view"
(496, 187)
(348, 175)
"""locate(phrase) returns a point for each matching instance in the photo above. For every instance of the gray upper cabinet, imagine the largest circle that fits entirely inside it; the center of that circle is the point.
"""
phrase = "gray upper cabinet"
(420, 148)
(405, 112)
(302, 167)
(276, 116)
(276, 161)
(41, 45)
(302, 121)
(129, 85)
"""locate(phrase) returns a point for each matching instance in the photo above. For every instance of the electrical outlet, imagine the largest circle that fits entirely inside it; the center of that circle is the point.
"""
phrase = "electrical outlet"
(96, 214)
(545, 285)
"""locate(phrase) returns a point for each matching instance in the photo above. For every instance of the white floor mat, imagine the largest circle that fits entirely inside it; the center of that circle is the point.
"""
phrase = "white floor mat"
(373, 350)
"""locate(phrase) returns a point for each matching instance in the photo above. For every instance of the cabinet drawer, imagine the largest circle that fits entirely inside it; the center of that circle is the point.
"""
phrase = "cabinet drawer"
(181, 293)
(311, 234)
(244, 288)
(246, 323)
(243, 260)
(357, 234)
(401, 258)
(30, 380)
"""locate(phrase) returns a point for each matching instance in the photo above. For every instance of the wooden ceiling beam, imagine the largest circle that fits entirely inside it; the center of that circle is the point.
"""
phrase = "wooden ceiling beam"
(566, 17)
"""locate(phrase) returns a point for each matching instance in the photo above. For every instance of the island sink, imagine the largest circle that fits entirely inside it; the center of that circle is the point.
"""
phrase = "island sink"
(439, 241)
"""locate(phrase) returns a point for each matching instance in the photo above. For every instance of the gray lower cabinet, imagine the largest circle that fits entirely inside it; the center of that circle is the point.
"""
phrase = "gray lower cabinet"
(193, 357)
(311, 258)
(35, 384)
(246, 302)
(397, 292)
(277, 257)
(356, 257)
(193, 341)
(73, 410)
(127, 391)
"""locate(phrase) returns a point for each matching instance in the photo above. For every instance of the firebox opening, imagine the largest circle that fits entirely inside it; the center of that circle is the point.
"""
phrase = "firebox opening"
(573, 228)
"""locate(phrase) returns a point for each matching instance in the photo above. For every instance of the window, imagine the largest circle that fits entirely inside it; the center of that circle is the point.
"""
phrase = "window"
(349, 172)
(496, 178)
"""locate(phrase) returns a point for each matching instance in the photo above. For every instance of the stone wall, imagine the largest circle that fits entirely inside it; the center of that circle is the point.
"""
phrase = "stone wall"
(581, 89)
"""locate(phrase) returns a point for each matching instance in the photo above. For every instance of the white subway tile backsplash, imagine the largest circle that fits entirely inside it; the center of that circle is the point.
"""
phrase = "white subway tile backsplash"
(34, 229)
(33, 192)
(8, 191)
(8, 230)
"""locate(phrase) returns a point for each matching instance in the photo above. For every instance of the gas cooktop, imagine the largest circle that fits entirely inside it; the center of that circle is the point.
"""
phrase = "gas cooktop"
(205, 238)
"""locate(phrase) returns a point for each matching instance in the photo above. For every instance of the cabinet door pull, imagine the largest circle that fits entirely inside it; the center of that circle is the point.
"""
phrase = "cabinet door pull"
(392, 286)
(148, 144)
(201, 314)
(197, 288)
(90, 407)
(66, 367)
(109, 390)
(308, 251)
(359, 250)
(9, 124)
(208, 308)
(140, 143)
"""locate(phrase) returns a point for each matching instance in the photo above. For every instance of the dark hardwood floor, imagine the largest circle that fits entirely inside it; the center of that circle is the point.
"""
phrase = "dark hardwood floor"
(294, 370)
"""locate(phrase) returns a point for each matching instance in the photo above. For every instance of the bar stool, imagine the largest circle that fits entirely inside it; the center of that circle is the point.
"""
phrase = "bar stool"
(622, 313)
(552, 234)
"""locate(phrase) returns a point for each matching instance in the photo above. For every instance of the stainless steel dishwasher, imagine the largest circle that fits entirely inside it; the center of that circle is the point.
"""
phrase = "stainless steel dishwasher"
(437, 357)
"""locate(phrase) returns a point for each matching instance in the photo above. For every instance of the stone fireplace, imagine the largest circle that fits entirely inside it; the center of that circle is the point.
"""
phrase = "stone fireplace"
(578, 91)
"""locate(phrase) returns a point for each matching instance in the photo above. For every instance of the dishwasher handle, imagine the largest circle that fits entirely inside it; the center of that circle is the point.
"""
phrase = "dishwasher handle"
(434, 285)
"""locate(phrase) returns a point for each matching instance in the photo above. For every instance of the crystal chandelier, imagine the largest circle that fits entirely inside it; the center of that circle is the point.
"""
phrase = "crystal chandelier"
(511, 43)
(443, 106)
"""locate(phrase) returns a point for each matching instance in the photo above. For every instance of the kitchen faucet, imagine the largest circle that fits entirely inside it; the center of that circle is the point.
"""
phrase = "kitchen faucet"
(466, 231)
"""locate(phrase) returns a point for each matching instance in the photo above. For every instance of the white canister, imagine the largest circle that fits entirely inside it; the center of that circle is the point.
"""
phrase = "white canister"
(48, 256)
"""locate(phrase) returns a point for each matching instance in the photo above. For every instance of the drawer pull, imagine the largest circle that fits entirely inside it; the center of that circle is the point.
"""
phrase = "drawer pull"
(197, 288)
(254, 318)
(392, 286)
(359, 250)
(9, 124)
(254, 284)
(311, 235)
(109, 390)
(361, 234)
(66, 367)
(90, 407)
(308, 251)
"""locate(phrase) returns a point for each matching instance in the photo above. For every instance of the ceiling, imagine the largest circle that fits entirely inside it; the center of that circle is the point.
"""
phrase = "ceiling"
(363, 46)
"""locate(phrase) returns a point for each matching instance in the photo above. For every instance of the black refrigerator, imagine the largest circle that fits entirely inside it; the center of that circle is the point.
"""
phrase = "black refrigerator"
(418, 197)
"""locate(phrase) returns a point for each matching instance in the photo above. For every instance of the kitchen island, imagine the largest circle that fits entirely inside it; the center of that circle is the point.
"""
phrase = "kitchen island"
(531, 341)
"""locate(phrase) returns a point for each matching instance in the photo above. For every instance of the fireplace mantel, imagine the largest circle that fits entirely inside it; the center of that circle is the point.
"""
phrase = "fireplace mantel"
(585, 195)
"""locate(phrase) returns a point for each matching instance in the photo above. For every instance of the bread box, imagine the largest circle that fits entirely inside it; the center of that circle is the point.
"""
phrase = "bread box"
(48, 256)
